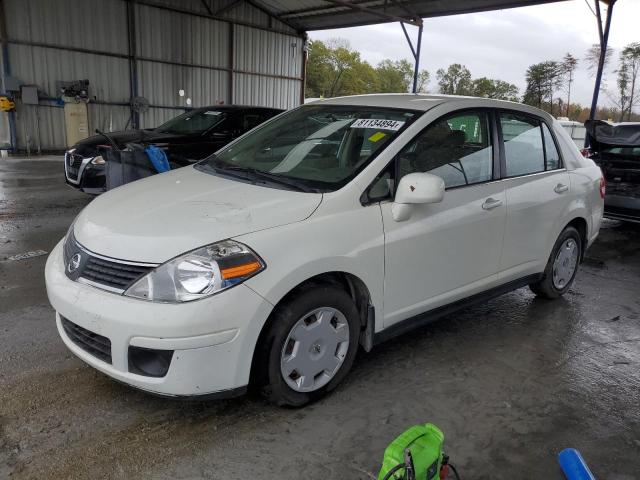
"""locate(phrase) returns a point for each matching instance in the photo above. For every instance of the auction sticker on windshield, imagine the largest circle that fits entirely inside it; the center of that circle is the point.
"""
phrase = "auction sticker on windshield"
(377, 124)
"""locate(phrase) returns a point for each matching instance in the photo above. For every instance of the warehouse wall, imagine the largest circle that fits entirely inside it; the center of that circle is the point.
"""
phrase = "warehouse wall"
(179, 48)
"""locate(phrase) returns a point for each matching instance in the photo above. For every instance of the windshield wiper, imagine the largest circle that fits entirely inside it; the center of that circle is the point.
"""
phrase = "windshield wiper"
(271, 177)
(253, 173)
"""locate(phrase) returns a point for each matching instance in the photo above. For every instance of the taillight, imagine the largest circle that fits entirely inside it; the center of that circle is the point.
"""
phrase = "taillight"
(603, 186)
(586, 152)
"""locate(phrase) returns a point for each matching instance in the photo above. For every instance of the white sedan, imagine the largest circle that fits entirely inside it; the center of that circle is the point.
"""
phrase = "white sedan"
(341, 223)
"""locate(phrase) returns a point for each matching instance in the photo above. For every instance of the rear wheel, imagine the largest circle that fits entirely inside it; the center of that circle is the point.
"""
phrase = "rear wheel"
(310, 346)
(562, 266)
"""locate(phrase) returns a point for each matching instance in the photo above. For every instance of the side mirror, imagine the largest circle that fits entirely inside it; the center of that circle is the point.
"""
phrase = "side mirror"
(413, 189)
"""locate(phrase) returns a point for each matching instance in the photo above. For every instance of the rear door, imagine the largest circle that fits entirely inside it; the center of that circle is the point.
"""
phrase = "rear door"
(537, 190)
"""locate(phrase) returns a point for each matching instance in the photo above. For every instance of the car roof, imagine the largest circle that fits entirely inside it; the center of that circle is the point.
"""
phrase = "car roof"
(236, 107)
(418, 101)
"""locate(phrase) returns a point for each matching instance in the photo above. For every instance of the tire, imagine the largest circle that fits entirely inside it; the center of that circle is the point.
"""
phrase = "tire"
(279, 344)
(551, 286)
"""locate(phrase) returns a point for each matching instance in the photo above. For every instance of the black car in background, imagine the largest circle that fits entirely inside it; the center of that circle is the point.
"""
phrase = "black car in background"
(615, 147)
(186, 139)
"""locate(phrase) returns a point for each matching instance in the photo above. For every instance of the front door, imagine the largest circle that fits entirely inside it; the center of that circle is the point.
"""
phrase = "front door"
(449, 250)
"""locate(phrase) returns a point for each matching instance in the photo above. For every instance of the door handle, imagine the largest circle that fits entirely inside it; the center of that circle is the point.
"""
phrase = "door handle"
(561, 188)
(491, 203)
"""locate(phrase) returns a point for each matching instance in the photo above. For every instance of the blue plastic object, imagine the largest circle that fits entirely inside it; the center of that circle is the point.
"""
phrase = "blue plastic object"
(158, 158)
(573, 465)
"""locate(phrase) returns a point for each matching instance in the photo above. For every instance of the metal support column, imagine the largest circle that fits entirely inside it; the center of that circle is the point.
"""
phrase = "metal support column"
(133, 62)
(303, 72)
(231, 53)
(417, 64)
(415, 52)
(6, 70)
(604, 41)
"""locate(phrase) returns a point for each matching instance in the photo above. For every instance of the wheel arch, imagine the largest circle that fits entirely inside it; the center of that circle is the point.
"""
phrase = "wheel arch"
(350, 283)
(580, 224)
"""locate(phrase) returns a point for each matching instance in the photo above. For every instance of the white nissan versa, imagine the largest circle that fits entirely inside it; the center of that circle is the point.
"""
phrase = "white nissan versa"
(337, 224)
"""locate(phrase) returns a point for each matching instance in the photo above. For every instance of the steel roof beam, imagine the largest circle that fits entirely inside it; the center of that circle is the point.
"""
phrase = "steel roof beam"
(372, 11)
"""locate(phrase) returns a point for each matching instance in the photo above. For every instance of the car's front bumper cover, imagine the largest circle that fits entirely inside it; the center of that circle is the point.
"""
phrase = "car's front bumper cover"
(212, 339)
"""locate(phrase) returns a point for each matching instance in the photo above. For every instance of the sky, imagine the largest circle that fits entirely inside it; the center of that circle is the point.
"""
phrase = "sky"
(502, 44)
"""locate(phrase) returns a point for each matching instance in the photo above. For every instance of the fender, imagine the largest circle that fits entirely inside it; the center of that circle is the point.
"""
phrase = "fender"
(349, 241)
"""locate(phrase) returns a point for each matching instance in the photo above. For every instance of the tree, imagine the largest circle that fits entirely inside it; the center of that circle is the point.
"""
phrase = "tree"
(423, 81)
(543, 80)
(592, 58)
(455, 80)
(394, 76)
(334, 69)
(629, 69)
(569, 65)
(491, 88)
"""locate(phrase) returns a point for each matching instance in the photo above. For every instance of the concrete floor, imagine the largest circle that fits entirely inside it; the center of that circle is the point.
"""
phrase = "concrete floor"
(511, 382)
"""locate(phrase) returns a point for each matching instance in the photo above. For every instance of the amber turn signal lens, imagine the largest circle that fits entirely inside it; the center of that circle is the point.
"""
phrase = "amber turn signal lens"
(240, 270)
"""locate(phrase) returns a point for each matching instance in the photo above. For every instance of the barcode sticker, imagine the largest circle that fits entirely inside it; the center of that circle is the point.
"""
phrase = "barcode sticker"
(378, 123)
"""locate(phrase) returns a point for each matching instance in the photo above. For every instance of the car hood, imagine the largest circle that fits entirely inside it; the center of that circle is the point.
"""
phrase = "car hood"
(157, 218)
(89, 146)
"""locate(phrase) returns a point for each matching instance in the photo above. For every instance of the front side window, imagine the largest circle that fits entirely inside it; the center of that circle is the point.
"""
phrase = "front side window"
(317, 147)
(523, 146)
(456, 148)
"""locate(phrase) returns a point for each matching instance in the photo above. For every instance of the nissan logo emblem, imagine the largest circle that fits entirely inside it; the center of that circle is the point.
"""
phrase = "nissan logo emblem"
(74, 263)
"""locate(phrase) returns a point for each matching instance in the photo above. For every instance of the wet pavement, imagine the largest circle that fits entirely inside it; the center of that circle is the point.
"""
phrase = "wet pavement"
(511, 382)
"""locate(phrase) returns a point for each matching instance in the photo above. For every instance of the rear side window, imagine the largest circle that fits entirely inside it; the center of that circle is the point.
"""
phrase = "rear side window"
(456, 148)
(551, 152)
(523, 145)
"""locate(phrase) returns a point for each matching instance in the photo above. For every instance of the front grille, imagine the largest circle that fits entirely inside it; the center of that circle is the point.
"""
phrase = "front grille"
(74, 160)
(96, 345)
(73, 163)
(112, 274)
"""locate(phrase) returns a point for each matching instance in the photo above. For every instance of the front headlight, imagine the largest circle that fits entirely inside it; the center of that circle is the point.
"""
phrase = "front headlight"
(199, 273)
(99, 160)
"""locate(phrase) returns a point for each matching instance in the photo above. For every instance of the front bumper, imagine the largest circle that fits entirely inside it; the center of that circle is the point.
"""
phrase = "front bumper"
(85, 176)
(212, 339)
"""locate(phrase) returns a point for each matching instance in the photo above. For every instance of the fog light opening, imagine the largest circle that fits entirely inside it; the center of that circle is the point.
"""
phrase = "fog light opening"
(149, 362)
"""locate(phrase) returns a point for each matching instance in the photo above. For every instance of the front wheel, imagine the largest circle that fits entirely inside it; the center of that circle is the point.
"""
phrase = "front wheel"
(310, 346)
(562, 266)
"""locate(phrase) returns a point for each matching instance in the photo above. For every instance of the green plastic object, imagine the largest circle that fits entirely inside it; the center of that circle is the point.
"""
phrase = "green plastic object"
(426, 443)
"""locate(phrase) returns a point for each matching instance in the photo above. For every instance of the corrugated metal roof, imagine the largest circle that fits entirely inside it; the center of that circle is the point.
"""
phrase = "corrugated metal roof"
(320, 14)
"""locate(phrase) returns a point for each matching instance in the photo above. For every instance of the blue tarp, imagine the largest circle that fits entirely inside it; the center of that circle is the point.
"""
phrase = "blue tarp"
(158, 158)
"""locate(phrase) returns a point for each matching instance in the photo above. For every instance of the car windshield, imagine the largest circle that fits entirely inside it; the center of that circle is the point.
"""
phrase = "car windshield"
(316, 147)
(193, 122)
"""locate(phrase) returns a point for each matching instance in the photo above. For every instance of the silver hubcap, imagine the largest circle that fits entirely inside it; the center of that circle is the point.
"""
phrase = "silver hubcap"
(565, 263)
(315, 349)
